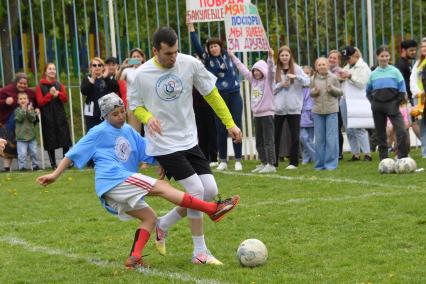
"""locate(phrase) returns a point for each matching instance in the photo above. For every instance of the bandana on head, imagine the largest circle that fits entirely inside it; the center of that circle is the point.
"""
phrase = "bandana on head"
(108, 103)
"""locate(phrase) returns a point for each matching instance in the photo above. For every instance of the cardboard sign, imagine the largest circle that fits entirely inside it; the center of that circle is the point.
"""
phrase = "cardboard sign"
(208, 10)
(358, 106)
(244, 29)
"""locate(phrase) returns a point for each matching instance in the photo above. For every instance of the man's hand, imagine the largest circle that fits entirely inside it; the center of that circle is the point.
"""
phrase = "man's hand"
(154, 126)
(236, 134)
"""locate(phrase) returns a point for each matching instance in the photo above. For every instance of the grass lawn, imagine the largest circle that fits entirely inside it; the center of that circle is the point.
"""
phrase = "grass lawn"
(351, 225)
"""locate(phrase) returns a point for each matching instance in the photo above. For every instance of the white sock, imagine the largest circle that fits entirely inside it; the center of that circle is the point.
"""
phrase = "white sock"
(169, 219)
(199, 244)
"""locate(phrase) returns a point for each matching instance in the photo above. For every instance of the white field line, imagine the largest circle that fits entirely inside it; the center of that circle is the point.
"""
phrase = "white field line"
(314, 179)
(13, 241)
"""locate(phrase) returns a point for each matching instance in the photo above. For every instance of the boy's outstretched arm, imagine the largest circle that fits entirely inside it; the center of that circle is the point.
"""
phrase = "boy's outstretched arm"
(50, 178)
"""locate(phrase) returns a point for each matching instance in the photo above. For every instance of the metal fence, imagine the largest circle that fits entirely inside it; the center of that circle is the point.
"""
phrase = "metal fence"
(70, 32)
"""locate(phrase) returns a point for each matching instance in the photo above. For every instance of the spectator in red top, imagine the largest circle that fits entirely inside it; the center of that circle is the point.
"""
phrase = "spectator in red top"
(51, 97)
(8, 103)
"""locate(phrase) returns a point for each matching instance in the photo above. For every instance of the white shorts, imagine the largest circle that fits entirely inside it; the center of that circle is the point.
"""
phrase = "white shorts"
(129, 195)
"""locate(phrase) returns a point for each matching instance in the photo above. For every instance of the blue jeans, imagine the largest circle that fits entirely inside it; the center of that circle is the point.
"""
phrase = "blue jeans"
(308, 147)
(23, 148)
(423, 136)
(326, 128)
(357, 137)
(234, 103)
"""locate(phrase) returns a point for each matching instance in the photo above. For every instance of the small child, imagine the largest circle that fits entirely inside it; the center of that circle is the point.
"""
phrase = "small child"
(117, 149)
(307, 123)
(390, 130)
(261, 78)
(25, 117)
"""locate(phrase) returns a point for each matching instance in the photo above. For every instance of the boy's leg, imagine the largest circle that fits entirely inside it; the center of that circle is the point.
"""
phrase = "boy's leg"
(142, 234)
(22, 154)
(33, 154)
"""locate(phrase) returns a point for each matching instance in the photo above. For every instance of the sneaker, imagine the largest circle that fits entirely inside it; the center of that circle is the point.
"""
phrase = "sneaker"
(238, 166)
(291, 167)
(134, 263)
(222, 166)
(160, 240)
(354, 159)
(268, 169)
(206, 258)
(36, 168)
(367, 158)
(258, 168)
(213, 164)
(223, 207)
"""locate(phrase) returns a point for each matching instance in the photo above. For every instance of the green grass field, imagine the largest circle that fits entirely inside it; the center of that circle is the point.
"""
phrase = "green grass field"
(351, 225)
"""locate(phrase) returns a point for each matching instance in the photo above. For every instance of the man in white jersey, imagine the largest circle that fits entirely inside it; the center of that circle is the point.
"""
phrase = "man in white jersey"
(162, 100)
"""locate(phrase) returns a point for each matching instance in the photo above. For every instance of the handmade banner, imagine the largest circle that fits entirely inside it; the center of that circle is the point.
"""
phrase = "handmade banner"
(359, 108)
(208, 10)
(244, 29)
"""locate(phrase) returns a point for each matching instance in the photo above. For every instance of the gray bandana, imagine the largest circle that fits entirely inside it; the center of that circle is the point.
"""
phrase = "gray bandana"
(108, 103)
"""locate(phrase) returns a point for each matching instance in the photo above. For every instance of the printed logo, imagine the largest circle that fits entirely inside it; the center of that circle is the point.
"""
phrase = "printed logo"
(122, 149)
(169, 87)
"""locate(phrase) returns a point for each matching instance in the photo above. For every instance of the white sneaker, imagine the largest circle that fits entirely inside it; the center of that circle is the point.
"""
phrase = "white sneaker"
(213, 164)
(268, 169)
(238, 166)
(222, 166)
(258, 168)
(291, 167)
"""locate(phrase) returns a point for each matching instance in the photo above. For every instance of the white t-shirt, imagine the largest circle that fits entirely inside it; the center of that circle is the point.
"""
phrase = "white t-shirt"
(167, 94)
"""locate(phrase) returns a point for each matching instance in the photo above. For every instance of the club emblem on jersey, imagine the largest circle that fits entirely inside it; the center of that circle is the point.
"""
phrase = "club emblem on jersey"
(169, 87)
(122, 149)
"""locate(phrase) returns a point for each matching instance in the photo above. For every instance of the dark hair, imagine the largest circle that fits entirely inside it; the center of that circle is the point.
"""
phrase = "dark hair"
(19, 76)
(164, 35)
(138, 50)
(112, 60)
(406, 44)
(214, 40)
(381, 49)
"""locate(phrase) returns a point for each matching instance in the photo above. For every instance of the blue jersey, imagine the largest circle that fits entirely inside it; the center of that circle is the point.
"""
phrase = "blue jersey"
(116, 152)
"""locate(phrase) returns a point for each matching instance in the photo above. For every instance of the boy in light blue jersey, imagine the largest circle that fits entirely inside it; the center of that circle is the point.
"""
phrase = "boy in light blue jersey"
(117, 150)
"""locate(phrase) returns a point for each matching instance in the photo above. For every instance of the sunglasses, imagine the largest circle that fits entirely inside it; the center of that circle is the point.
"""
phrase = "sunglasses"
(97, 65)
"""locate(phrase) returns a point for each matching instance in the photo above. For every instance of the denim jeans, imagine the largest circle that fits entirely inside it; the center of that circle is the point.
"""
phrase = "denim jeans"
(307, 141)
(326, 141)
(423, 136)
(24, 147)
(357, 137)
(234, 103)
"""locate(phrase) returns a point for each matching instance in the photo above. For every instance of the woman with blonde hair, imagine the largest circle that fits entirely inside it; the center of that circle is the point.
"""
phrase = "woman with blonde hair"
(93, 87)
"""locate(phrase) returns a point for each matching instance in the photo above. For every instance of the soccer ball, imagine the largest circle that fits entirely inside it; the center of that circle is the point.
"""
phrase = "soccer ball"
(252, 253)
(387, 166)
(405, 165)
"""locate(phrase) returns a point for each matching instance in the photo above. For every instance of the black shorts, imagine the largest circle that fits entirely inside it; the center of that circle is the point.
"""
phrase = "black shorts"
(183, 164)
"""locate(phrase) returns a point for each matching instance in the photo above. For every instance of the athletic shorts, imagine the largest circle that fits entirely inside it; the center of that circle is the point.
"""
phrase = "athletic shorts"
(183, 164)
(129, 195)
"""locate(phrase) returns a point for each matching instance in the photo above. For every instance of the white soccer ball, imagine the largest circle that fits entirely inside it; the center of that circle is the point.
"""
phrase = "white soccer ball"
(405, 165)
(252, 252)
(387, 166)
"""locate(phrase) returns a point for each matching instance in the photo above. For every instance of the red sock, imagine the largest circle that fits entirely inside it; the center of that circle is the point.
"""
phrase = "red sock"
(141, 238)
(192, 202)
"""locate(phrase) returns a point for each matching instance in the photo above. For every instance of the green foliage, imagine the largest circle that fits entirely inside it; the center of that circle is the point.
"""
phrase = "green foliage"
(351, 225)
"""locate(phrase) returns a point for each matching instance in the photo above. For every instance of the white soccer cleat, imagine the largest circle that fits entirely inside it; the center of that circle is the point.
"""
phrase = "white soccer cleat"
(258, 168)
(206, 258)
(213, 164)
(268, 169)
(222, 166)
(238, 166)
